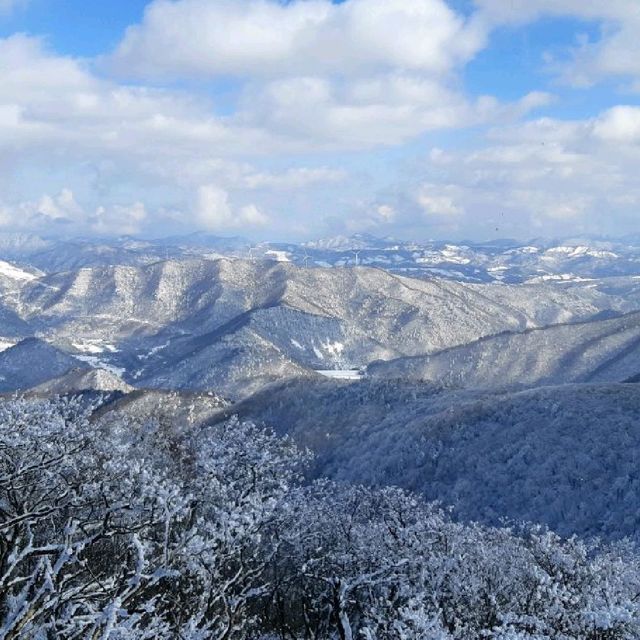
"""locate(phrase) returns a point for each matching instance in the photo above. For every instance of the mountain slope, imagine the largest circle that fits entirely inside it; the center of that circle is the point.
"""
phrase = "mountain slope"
(179, 408)
(405, 315)
(32, 362)
(78, 380)
(234, 361)
(219, 324)
(563, 456)
(601, 351)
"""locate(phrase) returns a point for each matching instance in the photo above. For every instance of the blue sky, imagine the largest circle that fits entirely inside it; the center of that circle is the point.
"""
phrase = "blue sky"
(410, 118)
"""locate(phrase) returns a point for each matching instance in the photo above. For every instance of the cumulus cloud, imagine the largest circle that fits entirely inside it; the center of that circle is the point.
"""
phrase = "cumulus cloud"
(551, 175)
(440, 200)
(387, 109)
(300, 38)
(127, 219)
(57, 117)
(60, 208)
(62, 213)
(46, 98)
(351, 75)
(619, 124)
(386, 213)
(311, 79)
(214, 211)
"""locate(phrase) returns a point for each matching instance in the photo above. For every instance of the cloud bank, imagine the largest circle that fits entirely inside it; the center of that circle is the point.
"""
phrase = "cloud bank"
(310, 117)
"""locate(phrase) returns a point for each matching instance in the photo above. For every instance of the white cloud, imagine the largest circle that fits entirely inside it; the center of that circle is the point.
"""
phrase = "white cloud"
(619, 124)
(49, 99)
(615, 54)
(387, 109)
(319, 74)
(358, 38)
(440, 200)
(559, 177)
(299, 38)
(60, 208)
(387, 213)
(310, 79)
(62, 213)
(61, 125)
(64, 125)
(296, 178)
(126, 219)
(213, 211)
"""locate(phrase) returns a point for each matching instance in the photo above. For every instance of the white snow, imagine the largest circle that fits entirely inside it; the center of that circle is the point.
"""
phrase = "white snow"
(97, 363)
(579, 251)
(94, 346)
(334, 349)
(278, 256)
(559, 277)
(87, 348)
(155, 350)
(9, 270)
(446, 272)
(5, 344)
(341, 374)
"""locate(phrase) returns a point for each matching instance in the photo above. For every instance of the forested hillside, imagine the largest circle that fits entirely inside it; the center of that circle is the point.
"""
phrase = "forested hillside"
(143, 529)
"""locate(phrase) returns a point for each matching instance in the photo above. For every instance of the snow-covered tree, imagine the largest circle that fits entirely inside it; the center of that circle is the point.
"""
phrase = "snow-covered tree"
(121, 529)
(132, 530)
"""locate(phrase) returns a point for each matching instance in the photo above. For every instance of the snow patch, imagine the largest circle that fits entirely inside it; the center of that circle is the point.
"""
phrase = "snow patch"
(97, 363)
(334, 349)
(6, 344)
(278, 256)
(580, 251)
(94, 346)
(559, 277)
(341, 374)
(9, 270)
(152, 352)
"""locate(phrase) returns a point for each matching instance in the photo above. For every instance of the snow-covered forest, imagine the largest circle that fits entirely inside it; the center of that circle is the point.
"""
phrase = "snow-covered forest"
(125, 528)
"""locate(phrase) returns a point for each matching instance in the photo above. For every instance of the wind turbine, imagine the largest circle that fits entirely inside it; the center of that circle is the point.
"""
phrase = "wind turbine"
(356, 254)
(306, 258)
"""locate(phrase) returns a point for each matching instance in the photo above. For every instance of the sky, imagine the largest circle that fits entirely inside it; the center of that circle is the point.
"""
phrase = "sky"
(300, 119)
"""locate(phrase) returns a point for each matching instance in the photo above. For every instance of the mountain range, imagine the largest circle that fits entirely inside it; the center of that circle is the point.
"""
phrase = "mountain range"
(234, 324)
(489, 377)
(504, 260)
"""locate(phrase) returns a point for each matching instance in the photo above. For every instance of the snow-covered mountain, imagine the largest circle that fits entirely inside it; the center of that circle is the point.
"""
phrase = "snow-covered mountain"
(429, 346)
(597, 351)
(233, 325)
(79, 380)
(32, 362)
(564, 456)
(498, 261)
